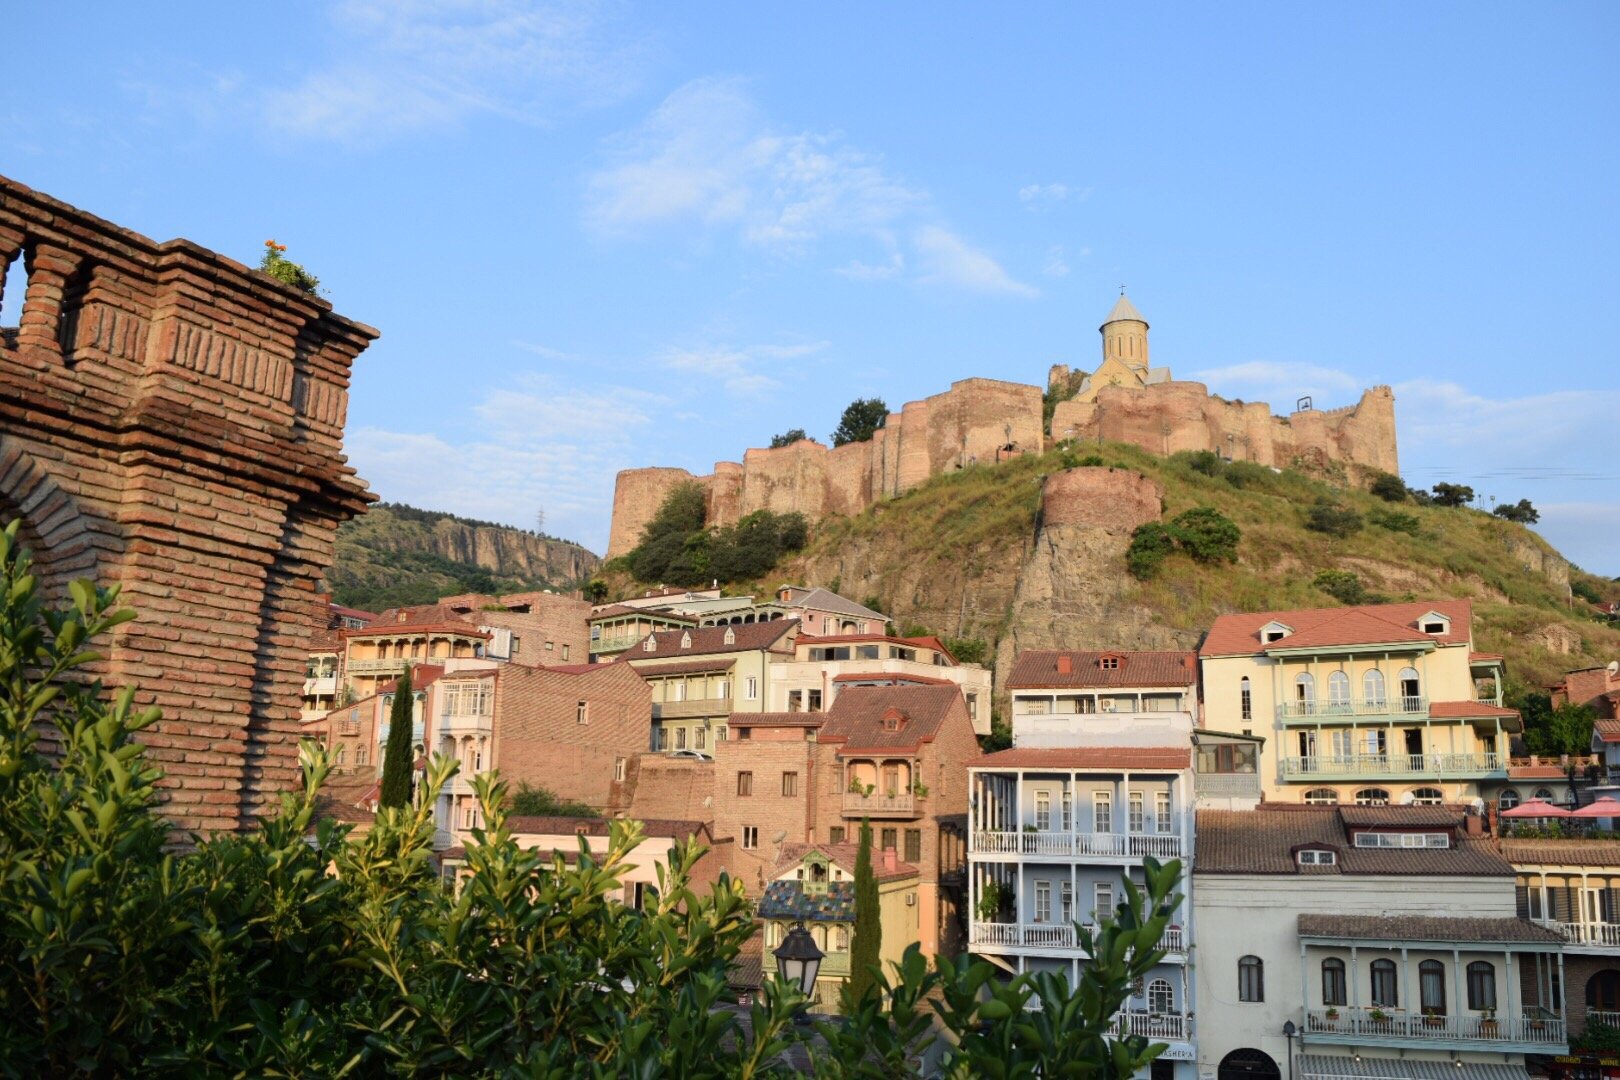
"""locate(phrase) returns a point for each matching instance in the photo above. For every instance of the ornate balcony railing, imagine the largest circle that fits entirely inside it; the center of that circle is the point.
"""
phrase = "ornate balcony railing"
(1399, 705)
(1052, 935)
(1391, 764)
(1063, 844)
(1592, 933)
(901, 802)
(1389, 1024)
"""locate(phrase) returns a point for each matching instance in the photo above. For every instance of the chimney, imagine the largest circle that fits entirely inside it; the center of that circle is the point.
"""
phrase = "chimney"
(1474, 825)
(891, 861)
(1065, 665)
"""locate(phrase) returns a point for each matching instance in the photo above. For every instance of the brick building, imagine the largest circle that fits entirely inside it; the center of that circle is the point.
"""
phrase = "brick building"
(172, 421)
(543, 627)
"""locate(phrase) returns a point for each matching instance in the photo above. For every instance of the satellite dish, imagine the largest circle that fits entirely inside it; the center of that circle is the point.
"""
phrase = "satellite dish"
(1477, 805)
(1406, 799)
(780, 836)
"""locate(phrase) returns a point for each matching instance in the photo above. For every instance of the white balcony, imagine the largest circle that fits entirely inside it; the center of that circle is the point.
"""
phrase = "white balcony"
(1063, 845)
(392, 666)
(465, 724)
(1051, 935)
(1473, 1030)
(1600, 935)
(320, 686)
(1370, 766)
(1353, 707)
(1158, 1027)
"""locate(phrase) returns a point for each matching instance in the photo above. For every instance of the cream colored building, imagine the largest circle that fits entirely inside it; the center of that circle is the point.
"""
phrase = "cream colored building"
(700, 676)
(821, 667)
(1381, 703)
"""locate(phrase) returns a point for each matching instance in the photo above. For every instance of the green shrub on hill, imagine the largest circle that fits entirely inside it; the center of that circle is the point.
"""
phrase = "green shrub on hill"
(1389, 487)
(1332, 519)
(678, 549)
(1394, 521)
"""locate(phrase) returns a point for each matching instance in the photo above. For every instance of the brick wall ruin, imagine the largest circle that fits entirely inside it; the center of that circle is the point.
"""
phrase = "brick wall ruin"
(977, 418)
(172, 422)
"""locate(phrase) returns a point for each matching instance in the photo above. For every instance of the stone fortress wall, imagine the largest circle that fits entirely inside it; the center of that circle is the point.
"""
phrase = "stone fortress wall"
(172, 422)
(979, 419)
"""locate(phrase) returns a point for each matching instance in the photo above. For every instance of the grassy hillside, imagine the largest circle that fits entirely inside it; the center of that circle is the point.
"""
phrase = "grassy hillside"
(953, 544)
(397, 554)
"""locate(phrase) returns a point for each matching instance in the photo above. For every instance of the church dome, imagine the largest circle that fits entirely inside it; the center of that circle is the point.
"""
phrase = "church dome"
(1124, 311)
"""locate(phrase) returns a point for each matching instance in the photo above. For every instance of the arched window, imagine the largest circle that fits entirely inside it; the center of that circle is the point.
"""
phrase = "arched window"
(1603, 991)
(1507, 800)
(1334, 991)
(1246, 698)
(1383, 984)
(1544, 794)
(1248, 1064)
(1251, 979)
(1372, 686)
(1372, 796)
(1160, 997)
(841, 939)
(1432, 988)
(1322, 796)
(1411, 691)
(1305, 692)
(1481, 985)
(1428, 796)
(1338, 692)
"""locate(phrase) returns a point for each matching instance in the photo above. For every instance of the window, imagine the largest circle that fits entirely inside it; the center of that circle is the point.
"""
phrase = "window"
(1372, 796)
(1372, 686)
(1043, 810)
(1508, 799)
(1104, 897)
(973, 706)
(359, 755)
(1544, 794)
(889, 840)
(1432, 988)
(618, 769)
(1043, 901)
(1251, 979)
(913, 845)
(721, 733)
(841, 939)
(1318, 857)
(565, 653)
(467, 699)
(700, 738)
(548, 646)
(1338, 692)
(731, 636)
(1428, 796)
(1161, 811)
(1102, 812)
(1137, 819)
(1334, 991)
(745, 783)
(1403, 840)
(342, 752)
(1246, 698)
(1305, 691)
(1068, 902)
(517, 643)
(751, 688)
(1068, 809)
(750, 839)
(1161, 998)
(722, 689)
(1322, 796)
(1481, 986)
(677, 690)
(1411, 691)
(836, 834)
(680, 738)
(1109, 663)
(1383, 984)
(581, 712)
(650, 645)
(790, 784)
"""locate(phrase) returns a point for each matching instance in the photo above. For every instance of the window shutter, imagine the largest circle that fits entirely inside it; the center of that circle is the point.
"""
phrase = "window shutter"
(1562, 909)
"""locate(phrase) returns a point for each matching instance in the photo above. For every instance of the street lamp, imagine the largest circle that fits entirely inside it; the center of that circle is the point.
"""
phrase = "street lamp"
(1289, 1031)
(798, 959)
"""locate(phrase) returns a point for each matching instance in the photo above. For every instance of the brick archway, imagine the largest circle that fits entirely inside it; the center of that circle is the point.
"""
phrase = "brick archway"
(54, 528)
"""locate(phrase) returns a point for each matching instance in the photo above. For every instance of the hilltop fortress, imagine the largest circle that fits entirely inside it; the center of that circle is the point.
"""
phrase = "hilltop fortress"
(978, 420)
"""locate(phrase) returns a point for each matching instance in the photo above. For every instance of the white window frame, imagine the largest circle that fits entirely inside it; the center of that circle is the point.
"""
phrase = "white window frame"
(751, 688)
(1136, 813)
(1043, 901)
(1162, 822)
(1043, 811)
(1102, 812)
(750, 837)
(1102, 896)
(618, 769)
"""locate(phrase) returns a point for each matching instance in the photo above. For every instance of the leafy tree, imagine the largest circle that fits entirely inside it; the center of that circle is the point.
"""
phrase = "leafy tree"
(1394, 521)
(1389, 487)
(788, 438)
(866, 943)
(1206, 534)
(536, 801)
(968, 650)
(863, 417)
(748, 549)
(1206, 461)
(399, 757)
(1331, 519)
(1569, 729)
(596, 590)
(1585, 591)
(668, 552)
(1521, 512)
(1452, 494)
(1000, 737)
(1151, 544)
(1342, 585)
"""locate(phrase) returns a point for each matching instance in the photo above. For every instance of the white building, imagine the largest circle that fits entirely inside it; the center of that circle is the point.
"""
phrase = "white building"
(820, 667)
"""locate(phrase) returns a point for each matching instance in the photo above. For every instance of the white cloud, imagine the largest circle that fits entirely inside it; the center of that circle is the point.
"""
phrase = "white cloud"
(947, 259)
(737, 369)
(1056, 264)
(1279, 382)
(410, 65)
(708, 156)
(545, 352)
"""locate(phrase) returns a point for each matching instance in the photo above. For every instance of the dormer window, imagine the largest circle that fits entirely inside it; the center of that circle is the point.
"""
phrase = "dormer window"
(1317, 857)
(893, 720)
(731, 636)
(1275, 631)
(1435, 623)
(686, 641)
(1109, 662)
(650, 645)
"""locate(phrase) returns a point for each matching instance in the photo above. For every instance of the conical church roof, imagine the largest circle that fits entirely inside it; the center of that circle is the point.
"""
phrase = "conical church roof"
(1123, 311)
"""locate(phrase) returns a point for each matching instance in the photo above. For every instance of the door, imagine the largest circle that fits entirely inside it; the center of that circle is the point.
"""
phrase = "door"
(1307, 750)
(1414, 748)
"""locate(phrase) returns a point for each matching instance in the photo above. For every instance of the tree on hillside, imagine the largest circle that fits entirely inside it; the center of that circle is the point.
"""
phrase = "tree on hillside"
(788, 438)
(596, 590)
(863, 417)
(398, 758)
(673, 548)
(1206, 534)
(1452, 494)
(1521, 511)
(1389, 487)
(1331, 519)
(866, 944)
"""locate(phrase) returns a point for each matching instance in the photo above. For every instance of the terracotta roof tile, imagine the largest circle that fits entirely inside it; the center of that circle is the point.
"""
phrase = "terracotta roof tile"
(1039, 670)
(891, 678)
(1562, 852)
(844, 856)
(1087, 757)
(1608, 730)
(1239, 634)
(615, 610)
(651, 669)
(597, 826)
(1468, 710)
(777, 719)
(712, 639)
(1423, 928)
(858, 716)
(1535, 772)
(1397, 817)
(1264, 841)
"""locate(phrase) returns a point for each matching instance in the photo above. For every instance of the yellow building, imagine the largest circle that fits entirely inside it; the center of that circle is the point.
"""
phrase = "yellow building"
(1380, 703)
(1124, 353)
(700, 676)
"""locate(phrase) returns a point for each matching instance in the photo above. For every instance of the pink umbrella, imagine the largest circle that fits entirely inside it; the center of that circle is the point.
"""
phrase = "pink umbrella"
(1537, 808)
(1600, 808)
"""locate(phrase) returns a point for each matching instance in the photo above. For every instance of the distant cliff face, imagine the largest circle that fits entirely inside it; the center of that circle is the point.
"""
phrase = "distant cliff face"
(401, 555)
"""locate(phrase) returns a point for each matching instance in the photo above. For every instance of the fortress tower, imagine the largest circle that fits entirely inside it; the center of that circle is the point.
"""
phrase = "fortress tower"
(1125, 335)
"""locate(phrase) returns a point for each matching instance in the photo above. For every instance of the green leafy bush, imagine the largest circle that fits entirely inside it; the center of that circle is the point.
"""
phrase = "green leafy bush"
(1394, 521)
(969, 650)
(1331, 519)
(1346, 588)
(1389, 487)
(1452, 494)
(1206, 534)
(1522, 512)
(535, 801)
(1151, 544)
(788, 438)
(677, 549)
(275, 263)
(300, 950)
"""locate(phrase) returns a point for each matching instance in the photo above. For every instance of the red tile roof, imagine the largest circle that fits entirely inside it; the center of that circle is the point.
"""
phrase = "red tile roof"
(777, 719)
(1155, 758)
(844, 856)
(1265, 840)
(1535, 772)
(1473, 656)
(422, 677)
(1039, 670)
(1562, 852)
(712, 639)
(1468, 710)
(615, 610)
(1422, 928)
(688, 667)
(418, 619)
(1608, 730)
(1368, 624)
(893, 679)
(857, 716)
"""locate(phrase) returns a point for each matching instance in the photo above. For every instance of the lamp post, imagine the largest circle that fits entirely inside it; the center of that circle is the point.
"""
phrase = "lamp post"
(798, 959)
(1289, 1031)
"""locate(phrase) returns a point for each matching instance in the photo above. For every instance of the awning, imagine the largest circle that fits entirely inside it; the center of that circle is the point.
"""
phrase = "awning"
(1333, 1067)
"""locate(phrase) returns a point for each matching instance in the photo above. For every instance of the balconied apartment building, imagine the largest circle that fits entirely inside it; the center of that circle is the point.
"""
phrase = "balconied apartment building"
(1380, 703)
(820, 667)
(616, 627)
(1099, 777)
(699, 676)
(1572, 887)
(377, 654)
(1366, 941)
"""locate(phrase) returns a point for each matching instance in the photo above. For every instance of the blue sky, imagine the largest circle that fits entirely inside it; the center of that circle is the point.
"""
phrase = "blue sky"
(603, 236)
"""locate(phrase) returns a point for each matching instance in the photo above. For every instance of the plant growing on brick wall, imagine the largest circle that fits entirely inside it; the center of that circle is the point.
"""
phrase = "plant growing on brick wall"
(275, 263)
(399, 758)
(866, 943)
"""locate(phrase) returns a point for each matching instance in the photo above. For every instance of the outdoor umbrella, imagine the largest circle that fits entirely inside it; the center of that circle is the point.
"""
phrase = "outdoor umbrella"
(1600, 808)
(1537, 808)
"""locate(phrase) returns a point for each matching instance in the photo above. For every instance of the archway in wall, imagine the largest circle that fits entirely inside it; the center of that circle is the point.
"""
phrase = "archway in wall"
(1603, 991)
(1248, 1064)
(53, 528)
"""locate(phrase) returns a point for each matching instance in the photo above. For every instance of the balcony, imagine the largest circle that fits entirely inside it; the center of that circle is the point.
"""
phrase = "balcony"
(694, 709)
(1597, 936)
(834, 965)
(1604, 1017)
(320, 686)
(392, 666)
(899, 804)
(1050, 935)
(1159, 1027)
(1529, 1033)
(1316, 712)
(1068, 845)
(465, 724)
(1373, 766)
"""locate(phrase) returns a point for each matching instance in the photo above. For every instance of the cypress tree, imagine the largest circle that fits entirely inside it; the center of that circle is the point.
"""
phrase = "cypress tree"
(397, 763)
(866, 946)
